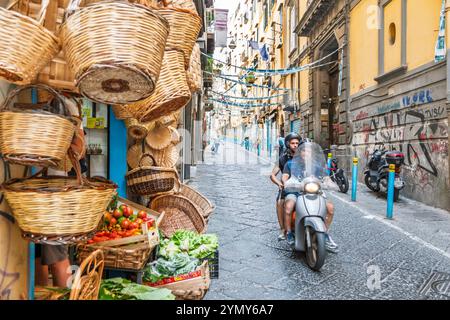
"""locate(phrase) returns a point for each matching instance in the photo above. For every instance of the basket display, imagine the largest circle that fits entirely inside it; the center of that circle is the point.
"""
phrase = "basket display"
(172, 91)
(150, 180)
(35, 137)
(58, 209)
(198, 199)
(191, 288)
(25, 45)
(180, 213)
(115, 49)
(185, 26)
(194, 73)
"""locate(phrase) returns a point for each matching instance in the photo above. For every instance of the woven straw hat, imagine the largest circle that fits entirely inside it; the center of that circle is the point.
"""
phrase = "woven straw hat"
(159, 137)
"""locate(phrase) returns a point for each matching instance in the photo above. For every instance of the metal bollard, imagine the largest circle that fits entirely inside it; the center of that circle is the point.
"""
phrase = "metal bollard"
(354, 178)
(330, 156)
(390, 195)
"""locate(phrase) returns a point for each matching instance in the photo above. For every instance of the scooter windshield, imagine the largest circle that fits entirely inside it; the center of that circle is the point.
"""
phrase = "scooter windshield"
(309, 161)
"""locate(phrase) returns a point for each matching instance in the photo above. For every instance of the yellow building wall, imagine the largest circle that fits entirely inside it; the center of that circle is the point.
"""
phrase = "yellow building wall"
(363, 45)
(393, 51)
(422, 31)
(304, 82)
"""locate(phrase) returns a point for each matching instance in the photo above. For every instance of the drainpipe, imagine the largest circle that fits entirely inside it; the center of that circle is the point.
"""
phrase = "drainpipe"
(447, 38)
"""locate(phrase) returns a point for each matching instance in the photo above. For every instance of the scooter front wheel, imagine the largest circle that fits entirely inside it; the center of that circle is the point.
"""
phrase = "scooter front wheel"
(315, 248)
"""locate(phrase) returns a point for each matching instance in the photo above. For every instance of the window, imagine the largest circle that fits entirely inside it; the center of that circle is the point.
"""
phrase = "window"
(392, 34)
(265, 8)
(293, 42)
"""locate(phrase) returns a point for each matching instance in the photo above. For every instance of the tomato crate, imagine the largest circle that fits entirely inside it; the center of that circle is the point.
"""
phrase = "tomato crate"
(213, 262)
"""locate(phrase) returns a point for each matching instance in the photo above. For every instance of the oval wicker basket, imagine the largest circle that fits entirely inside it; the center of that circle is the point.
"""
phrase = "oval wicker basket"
(58, 209)
(185, 26)
(198, 199)
(115, 49)
(26, 47)
(35, 137)
(180, 213)
(150, 180)
(172, 91)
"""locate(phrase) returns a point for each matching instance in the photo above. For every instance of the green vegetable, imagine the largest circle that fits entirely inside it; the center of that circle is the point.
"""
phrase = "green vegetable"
(179, 263)
(122, 289)
(196, 245)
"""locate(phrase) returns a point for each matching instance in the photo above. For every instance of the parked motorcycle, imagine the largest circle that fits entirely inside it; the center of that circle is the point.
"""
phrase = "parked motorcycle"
(377, 173)
(337, 175)
(307, 171)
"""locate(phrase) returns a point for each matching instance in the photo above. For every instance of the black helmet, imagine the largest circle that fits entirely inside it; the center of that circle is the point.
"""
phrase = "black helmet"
(291, 136)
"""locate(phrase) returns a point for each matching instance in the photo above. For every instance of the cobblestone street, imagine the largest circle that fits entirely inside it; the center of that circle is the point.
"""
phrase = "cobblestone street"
(255, 265)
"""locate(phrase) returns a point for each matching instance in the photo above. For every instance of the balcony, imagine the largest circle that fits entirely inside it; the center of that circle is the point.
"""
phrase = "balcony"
(315, 12)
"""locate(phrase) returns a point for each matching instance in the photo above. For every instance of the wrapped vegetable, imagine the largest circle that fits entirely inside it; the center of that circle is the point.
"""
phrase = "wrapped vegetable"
(180, 263)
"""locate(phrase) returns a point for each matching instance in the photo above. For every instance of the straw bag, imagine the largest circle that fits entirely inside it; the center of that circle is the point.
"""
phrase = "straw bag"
(115, 49)
(172, 91)
(58, 210)
(151, 180)
(185, 26)
(35, 137)
(194, 73)
(180, 213)
(25, 45)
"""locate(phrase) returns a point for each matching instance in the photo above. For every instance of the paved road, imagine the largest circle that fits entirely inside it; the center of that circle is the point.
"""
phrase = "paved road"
(374, 262)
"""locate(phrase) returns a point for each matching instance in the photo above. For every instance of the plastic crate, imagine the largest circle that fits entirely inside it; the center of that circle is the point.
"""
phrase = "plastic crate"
(213, 262)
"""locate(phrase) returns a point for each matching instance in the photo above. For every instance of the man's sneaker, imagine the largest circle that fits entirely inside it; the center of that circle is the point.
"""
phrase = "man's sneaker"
(290, 238)
(330, 245)
(282, 236)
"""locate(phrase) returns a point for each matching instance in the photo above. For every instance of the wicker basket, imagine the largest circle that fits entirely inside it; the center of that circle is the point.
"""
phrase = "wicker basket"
(172, 91)
(198, 199)
(180, 213)
(191, 289)
(25, 45)
(185, 26)
(194, 73)
(150, 180)
(136, 129)
(58, 209)
(182, 4)
(121, 112)
(115, 49)
(35, 137)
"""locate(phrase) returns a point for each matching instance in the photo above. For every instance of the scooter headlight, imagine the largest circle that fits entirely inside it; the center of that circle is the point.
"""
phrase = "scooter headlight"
(312, 187)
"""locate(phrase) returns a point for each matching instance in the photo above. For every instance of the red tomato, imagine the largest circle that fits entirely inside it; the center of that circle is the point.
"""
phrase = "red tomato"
(150, 222)
(117, 213)
(133, 225)
(129, 233)
(113, 221)
(142, 214)
(139, 221)
(125, 224)
(90, 241)
(107, 217)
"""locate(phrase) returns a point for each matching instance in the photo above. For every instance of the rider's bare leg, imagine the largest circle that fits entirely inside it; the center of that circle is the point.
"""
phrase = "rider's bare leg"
(288, 209)
(280, 214)
(330, 215)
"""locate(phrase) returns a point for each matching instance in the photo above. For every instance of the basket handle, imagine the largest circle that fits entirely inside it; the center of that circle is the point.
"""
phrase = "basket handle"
(147, 155)
(50, 90)
(42, 13)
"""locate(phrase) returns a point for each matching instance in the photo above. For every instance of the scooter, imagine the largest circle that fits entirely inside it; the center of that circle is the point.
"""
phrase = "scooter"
(310, 211)
(377, 173)
(337, 175)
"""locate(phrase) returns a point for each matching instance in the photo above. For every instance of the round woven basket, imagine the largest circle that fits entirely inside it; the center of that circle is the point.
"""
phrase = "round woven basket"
(26, 47)
(172, 91)
(181, 4)
(185, 26)
(180, 213)
(121, 112)
(159, 137)
(167, 157)
(35, 137)
(134, 155)
(58, 206)
(115, 50)
(176, 138)
(136, 129)
(198, 199)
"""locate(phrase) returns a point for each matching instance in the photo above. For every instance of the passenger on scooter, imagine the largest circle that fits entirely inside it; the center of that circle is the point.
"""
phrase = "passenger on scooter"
(291, 199)
(291, 142)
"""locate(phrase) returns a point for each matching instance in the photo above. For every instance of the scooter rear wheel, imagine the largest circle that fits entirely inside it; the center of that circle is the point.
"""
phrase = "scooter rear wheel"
(369, 184)
(316, 252)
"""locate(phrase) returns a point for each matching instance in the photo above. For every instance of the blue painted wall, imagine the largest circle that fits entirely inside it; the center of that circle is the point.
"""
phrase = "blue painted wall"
(117, 153)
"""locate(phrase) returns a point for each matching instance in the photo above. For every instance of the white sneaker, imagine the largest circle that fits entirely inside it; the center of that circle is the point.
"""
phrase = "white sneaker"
(282, 236)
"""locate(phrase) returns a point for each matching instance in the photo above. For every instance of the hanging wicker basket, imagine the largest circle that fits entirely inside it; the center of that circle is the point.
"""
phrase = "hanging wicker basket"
(115, 49)
(159, 137)
(35, 137)
(150, 180)
(167, 157)
(194, 73)
(172, 91)
(136, 129)
(181, 4)
(25, 45)
(180, 213)
(207, 208)
(58, 210)
(121, 112)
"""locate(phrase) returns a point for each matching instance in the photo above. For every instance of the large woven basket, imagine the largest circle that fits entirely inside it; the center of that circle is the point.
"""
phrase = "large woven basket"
(172, 91)
(185, 26)
(198, 199)
(194, 73)
(115, 50)
(25, 45)
(35, 137)
(121, 112)
(58, 210)
(180, 213)
(150, 180)
(183, 4)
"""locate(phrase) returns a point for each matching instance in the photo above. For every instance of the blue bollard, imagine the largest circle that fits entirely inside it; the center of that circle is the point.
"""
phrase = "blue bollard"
(354, 178)
(390, 196)
(330, 156)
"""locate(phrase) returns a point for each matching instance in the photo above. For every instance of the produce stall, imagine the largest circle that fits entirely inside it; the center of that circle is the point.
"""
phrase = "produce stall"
(149, 243)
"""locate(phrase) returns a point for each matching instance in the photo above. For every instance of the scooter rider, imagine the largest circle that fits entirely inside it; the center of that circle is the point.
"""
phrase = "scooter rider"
(289, 206)
(291, 142)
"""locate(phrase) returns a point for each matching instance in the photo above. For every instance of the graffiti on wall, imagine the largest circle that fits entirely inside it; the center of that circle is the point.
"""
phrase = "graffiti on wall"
(8, 278)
